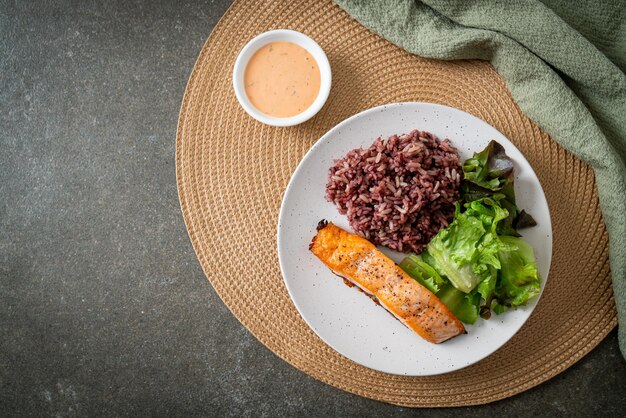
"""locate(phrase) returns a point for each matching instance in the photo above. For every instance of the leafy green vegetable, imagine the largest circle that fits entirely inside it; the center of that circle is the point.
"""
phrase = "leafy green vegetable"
(467, 250)
(426, 275)
(497, 307)
(473, 269)
(490, 169)
(518, 279)
(524, 220)
(489, 173)
(463, 306)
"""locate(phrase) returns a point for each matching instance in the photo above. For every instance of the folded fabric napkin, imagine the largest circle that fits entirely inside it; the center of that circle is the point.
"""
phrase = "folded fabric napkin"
(564, 64)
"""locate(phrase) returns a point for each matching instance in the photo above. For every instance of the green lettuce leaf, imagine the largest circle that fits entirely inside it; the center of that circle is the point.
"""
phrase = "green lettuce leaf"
(465, 307)
(489, 169)
(421, 271)
(518, 279)
(490, 173)
(467, 250)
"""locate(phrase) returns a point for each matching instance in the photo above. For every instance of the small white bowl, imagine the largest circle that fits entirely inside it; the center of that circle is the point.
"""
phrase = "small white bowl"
(282, 35)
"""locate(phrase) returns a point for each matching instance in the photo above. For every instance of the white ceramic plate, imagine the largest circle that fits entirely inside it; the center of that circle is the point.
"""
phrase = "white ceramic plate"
(346, 319)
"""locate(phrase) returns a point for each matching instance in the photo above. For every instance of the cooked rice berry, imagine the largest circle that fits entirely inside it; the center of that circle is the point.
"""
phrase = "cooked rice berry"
(400, 191)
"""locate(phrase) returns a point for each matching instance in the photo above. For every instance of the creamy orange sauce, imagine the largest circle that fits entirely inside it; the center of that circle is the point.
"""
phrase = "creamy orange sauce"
(282, 79)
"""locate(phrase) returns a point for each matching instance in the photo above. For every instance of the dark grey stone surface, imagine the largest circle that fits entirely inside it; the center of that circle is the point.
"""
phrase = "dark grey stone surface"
(104, 309)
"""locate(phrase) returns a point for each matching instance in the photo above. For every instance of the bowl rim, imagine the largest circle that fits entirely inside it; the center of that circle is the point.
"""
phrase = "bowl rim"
(299, 39)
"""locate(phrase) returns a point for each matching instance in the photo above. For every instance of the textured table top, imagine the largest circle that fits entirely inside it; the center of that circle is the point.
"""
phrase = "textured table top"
(103, 306)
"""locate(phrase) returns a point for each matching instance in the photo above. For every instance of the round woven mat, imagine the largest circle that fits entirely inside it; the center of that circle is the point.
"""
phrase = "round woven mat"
(232, 172)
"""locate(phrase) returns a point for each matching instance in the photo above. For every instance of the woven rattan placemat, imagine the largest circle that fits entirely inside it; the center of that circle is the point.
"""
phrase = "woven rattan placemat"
(232, 172)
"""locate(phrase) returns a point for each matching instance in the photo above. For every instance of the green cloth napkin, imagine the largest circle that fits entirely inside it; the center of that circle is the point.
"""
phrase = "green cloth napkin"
(564, 64)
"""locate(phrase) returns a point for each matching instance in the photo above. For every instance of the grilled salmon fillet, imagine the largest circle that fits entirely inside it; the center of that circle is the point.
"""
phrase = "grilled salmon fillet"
(360, 262)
